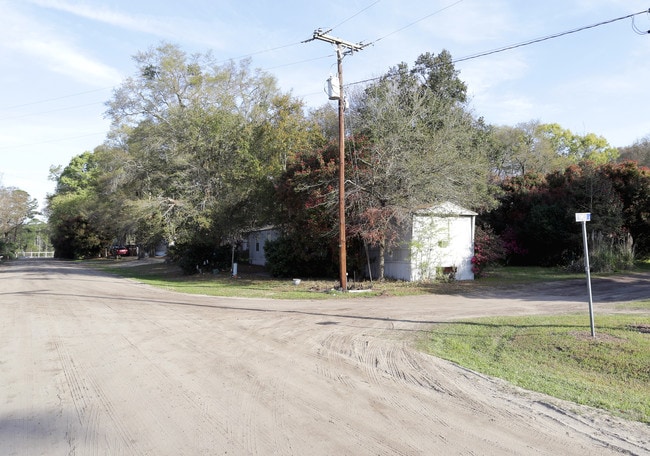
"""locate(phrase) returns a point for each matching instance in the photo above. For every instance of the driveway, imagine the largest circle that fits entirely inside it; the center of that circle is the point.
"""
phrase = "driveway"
(93, 364)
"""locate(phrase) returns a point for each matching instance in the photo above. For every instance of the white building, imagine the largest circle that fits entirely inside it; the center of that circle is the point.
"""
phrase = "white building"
(438, 240)
(256, 240)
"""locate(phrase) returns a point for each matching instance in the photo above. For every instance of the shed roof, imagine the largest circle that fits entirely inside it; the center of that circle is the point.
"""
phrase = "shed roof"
(446, 209)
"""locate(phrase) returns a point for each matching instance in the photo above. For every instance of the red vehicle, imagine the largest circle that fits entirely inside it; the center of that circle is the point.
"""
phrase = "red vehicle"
(119, 250)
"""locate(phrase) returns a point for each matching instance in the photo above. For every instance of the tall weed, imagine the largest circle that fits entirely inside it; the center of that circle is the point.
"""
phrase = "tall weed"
(607, 254)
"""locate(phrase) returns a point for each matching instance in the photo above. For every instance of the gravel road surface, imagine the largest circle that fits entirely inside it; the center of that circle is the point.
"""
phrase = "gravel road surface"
(93, 364)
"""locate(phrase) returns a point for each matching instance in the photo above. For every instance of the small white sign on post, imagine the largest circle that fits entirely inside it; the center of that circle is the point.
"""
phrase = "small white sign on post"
(585, 217)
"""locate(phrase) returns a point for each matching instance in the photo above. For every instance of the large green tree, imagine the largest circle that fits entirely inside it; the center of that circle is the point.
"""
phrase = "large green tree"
(411, 142)
(521, 149)
(193, 153)
(533, 147)
(418, 145)
(75, 210)
(17, 208)
(203, 143)
(575, 148)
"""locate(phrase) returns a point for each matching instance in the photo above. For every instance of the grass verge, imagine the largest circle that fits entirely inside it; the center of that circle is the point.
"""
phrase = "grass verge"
(253, 282)
(556, 355)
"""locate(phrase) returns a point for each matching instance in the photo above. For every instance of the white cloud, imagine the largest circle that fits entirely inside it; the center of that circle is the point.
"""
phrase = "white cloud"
(101, 14)
(63, 58)
(30, 43)
(161, 26)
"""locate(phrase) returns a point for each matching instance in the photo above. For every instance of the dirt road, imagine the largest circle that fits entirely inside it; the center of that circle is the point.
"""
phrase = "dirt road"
(92, 364)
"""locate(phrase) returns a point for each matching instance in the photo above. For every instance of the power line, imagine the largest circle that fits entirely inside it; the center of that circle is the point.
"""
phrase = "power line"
(241, 57)
(50, 141)
(298, 62)
(416, 22)
(545, 38)
(462, 59)
(528, 42)
(245, 56)
(299, 42)
(638, 30)
(54, 99)
(354, 15)
(67, 108)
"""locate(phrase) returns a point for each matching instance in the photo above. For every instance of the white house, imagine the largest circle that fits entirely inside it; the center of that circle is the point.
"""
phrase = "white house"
(256, 240)
(437, 240)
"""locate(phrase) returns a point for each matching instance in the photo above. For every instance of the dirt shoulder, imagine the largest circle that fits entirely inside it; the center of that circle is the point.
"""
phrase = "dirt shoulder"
(95, 364)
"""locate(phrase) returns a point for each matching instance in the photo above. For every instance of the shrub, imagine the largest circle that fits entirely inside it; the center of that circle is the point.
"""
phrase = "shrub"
(606, 255)
(488, 250)
(288, 257)
(200, 257)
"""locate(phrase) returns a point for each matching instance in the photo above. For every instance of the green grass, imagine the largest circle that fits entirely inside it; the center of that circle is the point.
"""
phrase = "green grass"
(248, 284)
(253, 284)
(643, 265)
(556, 355)
(524, 274)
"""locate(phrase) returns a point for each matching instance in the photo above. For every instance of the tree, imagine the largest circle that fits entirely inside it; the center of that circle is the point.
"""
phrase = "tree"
(638, 152)
(284, 133)
(16, 210)
(326, 118)
(412, 143)
(439, 76)
(632, 184)
(519, 150)
(576, 148)
(417, 145)
(75, 210)
(532, 147)
(203, 143)
(536, 215)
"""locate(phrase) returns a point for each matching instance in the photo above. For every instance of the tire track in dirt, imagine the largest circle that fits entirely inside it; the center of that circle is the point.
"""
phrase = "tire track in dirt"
(267, 377)
(380, 362)
(339, 362)
(92, 406)
(102, 429)
(262, 394)
(382, 359)
(174, 390)
(250, 393)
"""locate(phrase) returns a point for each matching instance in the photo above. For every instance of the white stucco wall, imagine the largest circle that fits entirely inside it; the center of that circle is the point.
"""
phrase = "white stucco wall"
(256, 241)
(441, 237)
(442, 244)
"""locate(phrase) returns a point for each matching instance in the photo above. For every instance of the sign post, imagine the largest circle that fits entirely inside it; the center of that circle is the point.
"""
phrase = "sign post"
(585, 217)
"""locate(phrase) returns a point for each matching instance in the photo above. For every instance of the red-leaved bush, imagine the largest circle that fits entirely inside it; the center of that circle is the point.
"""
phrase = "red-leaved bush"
(488, 249)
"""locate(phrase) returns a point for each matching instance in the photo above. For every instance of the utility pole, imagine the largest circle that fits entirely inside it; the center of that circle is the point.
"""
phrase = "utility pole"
(342, 48)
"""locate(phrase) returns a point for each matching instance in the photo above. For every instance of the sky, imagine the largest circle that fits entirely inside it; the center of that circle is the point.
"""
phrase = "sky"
(62, 59)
